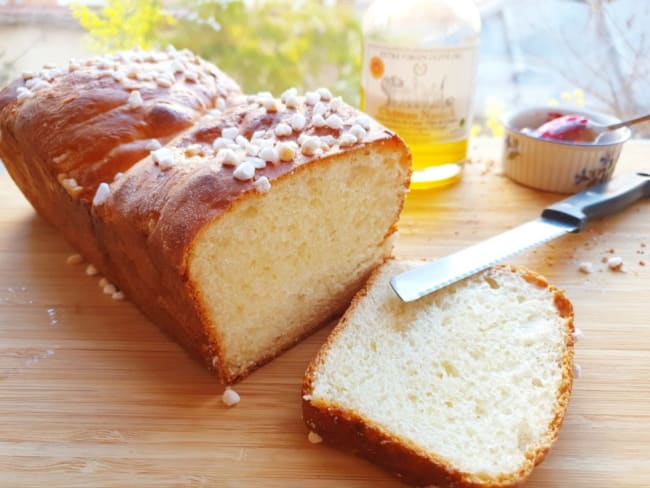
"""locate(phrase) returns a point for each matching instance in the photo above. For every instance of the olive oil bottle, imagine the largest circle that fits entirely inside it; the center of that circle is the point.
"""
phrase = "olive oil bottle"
(419, 71)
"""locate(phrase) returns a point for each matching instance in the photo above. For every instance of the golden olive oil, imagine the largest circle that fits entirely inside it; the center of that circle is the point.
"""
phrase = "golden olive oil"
(419, 68)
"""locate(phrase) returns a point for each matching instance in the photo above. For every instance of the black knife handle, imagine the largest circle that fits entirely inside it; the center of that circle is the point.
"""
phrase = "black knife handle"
(600, 200)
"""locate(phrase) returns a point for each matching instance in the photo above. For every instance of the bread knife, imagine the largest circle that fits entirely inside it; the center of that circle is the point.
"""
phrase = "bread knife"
(568, 215)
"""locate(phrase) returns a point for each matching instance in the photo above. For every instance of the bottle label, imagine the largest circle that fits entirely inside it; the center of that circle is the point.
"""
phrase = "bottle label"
(424, 94)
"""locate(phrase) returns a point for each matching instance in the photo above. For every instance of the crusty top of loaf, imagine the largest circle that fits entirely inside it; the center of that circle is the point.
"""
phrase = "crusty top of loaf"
(165, 142)
(94, 118)
(174, 197)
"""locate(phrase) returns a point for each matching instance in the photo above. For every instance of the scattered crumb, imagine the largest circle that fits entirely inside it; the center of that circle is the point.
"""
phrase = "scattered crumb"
(615, 263)
(102, 282)
(641, 263)
(577, 334)
(586, 267)
(91, 270)
(487, 166)
(314, 438)
(230, 397)
(75, 259)
(604, 260)
(577, 371)
(118, 295)
(611, 251)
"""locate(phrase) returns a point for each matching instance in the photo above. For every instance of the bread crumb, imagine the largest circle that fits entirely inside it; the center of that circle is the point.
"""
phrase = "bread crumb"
(118, 295)
(230, 397)
(577, 371)
(314, 438)
(615, 263)
(586, 267)
(75, 259)
(577, 334)
(102, 282)
(91, 270)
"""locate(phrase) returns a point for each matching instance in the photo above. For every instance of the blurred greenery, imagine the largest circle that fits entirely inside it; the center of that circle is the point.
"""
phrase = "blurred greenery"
(123, 24)
(265, 45)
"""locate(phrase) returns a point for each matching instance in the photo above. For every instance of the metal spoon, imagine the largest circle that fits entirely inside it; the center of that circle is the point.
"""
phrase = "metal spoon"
(578, 128)
(604, 129)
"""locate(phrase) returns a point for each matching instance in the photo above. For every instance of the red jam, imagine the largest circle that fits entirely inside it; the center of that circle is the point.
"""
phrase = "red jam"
(571, 128)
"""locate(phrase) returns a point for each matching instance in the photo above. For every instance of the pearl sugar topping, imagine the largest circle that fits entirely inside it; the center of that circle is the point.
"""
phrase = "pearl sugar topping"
(293, 116)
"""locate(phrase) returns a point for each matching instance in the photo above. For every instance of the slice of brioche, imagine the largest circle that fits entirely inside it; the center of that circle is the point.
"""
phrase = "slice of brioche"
(466, 387)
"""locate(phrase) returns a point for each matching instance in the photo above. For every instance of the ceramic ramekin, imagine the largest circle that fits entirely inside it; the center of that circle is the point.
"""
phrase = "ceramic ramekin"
(558, 166)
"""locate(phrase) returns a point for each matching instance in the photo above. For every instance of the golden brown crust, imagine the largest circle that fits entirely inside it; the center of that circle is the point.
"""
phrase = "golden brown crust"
(79, 125)
(352, 432)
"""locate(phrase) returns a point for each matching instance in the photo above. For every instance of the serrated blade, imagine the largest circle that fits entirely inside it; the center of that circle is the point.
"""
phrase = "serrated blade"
(420, 281)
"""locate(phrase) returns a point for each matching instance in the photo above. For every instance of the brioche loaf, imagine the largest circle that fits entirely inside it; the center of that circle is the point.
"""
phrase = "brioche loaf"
(238, 224)
(466, 387)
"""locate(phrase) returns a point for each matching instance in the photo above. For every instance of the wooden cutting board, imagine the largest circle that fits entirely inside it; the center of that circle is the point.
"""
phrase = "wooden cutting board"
(91, 394)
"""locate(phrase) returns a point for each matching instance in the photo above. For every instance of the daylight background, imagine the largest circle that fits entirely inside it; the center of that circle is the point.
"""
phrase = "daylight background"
(584, 53)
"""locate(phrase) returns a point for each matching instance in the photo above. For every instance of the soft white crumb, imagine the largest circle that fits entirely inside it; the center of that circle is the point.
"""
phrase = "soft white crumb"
(577, 370)
(615, 263)
(91, 270)
(586, 267)
(230, 397)
(314, 438)
(118, 295)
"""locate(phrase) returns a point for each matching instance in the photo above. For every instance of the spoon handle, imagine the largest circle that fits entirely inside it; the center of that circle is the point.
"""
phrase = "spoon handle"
(625, 123)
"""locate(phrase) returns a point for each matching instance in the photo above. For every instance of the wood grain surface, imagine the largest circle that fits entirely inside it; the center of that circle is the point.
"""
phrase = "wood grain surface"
(93, 395)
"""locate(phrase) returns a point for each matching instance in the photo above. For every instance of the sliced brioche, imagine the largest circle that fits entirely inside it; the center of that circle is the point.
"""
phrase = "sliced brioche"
(466, 387)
